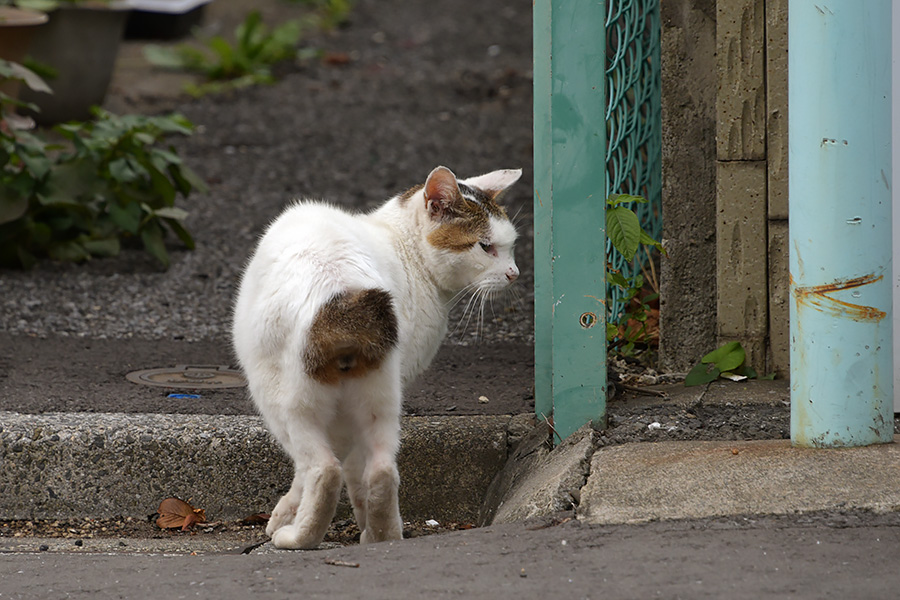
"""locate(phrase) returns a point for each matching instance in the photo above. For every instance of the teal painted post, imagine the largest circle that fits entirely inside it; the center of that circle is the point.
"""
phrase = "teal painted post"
(570, 236)
(543, 186)
(840, 222)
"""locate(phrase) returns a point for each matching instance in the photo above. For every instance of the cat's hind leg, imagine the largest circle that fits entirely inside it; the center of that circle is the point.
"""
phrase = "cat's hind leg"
(317, 481)
(371, 469)
(354, 465)
(286, 508)
(382, 481)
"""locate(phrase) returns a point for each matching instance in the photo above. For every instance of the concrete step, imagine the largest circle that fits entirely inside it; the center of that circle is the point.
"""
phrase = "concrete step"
(65, 465)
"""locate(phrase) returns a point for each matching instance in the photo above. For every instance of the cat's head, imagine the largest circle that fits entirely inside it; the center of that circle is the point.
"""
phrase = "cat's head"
(468, 235)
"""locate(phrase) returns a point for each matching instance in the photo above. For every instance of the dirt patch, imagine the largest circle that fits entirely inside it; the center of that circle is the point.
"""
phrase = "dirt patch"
(68, 374)
(73, 535)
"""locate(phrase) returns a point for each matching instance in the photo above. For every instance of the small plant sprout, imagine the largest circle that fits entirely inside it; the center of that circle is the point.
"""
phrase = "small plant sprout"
(623, 228)
(726, 361)
(246, 62)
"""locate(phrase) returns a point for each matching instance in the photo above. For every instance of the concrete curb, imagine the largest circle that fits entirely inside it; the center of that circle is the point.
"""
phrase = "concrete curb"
(462, 468)
(683, 480)
(538, 480)
(650, 481)
(63, 465)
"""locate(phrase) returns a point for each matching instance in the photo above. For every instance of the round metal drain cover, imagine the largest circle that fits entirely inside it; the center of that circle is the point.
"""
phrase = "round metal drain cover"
(207, 377)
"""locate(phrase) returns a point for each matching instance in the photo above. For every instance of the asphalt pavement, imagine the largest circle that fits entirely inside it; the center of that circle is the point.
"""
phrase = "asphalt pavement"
(734, 559)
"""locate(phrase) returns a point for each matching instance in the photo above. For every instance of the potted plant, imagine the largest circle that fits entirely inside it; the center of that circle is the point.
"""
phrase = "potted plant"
(88, 187)
(79, 44)
(17, 27)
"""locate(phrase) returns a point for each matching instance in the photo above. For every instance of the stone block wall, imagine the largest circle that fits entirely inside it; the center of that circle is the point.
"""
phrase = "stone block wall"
(725, 154)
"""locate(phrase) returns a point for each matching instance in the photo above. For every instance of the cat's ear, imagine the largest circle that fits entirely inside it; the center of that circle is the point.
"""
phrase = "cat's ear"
(441, 190)
(494, 183)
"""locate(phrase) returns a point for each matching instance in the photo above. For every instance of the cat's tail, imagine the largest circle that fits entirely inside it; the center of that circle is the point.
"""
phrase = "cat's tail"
(351, 335)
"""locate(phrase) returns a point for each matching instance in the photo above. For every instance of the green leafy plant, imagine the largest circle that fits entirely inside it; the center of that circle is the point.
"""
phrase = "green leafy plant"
(246, 62)
(623, 228)
(726, 361)
(95, 185)
(630, 328)
(44, 5)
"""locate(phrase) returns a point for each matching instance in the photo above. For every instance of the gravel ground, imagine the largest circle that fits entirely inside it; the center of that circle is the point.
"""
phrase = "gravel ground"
(418, 84)
(74, 535)
(425, 84)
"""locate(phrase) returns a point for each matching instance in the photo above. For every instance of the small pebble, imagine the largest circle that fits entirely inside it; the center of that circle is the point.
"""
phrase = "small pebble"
(44, 547)
(79, 543)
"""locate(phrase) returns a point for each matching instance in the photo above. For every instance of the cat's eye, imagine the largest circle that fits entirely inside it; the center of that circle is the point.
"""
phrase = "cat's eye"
(489, 248)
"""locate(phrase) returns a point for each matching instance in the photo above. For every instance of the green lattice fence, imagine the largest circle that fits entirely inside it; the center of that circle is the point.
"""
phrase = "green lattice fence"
(634, 139)
(580, 50)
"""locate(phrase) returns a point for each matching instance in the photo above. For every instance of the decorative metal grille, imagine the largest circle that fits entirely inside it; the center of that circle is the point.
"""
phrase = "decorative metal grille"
(633, 122)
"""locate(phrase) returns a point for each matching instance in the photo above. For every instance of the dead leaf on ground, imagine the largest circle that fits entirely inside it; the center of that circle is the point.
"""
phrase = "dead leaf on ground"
(256, 519)
(336, 59)
(178, 513)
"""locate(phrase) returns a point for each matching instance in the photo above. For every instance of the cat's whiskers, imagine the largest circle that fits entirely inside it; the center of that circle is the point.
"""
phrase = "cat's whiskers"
(470, 310)
(481, 299)
(515, 297)
(484, 300)
(452, 302)
(466, 309)
(515, 219)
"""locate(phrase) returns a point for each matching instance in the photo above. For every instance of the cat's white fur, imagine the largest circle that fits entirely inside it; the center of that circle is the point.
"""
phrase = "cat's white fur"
(349, 431)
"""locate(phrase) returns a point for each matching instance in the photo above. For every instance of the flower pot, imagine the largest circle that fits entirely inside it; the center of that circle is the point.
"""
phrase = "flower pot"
(17, 28)
(81, 43)
(163, 19)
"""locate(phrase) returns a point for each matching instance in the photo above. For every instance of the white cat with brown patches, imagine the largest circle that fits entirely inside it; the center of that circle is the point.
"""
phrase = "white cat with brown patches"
(336, 313)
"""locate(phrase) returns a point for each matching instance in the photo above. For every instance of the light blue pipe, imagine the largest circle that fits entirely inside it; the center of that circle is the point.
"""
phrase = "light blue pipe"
(840, 222)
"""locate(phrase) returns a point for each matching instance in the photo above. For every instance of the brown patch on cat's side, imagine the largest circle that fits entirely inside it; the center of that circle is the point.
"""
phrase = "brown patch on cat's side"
(350, 336)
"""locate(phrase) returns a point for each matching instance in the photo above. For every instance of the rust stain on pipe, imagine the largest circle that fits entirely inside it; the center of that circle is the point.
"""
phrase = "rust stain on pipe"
(818, 297)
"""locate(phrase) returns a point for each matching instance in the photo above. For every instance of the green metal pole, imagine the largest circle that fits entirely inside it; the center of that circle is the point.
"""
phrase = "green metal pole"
(840, 222)
(543, 187)
(570, 189)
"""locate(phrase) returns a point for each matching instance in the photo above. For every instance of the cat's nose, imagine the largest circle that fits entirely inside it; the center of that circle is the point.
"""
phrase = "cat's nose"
(512, 273)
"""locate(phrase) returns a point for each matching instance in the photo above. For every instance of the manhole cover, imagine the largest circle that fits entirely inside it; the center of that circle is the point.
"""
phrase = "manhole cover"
(208, 377)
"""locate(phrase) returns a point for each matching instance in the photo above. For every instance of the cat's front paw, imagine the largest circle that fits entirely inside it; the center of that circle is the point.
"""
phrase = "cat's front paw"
(372, 535)
(277, 521)
(284, 512)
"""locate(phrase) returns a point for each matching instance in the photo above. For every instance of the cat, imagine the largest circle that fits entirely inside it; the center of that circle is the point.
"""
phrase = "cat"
(337, 312)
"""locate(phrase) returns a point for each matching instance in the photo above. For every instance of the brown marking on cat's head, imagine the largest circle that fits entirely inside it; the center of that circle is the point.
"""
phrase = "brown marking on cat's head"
(405, 196)
(462, 212)
(351, 335)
